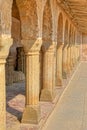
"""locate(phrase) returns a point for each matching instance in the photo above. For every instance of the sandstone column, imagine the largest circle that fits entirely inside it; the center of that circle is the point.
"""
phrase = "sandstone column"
(75, 51)
(78, 52)
(32, 110)
(65, 59)
(74, 57)
(73, 54)
(68, 60)
(71, 57)
(59, 65)
(5, 44)
(47, 93)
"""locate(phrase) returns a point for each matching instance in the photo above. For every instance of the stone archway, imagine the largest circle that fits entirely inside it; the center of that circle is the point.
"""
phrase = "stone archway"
(15, 61)
(59, 50)
(29, 19)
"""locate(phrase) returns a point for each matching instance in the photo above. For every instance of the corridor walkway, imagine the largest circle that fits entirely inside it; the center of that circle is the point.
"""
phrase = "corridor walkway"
(71, 111)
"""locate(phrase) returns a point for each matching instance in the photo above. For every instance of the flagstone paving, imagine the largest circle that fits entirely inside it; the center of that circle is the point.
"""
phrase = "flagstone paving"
(71, 112)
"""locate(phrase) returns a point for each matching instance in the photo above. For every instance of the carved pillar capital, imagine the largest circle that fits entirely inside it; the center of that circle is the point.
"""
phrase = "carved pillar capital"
(48, 46)
(5, 44)
(31, 45)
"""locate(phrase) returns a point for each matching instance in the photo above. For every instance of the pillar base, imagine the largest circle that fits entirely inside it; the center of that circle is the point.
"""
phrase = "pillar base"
(31, 115)
(59, 82)
(64, 75)
(47, 95)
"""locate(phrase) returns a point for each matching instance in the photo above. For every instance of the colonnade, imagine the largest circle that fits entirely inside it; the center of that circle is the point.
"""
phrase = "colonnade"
(58, 59)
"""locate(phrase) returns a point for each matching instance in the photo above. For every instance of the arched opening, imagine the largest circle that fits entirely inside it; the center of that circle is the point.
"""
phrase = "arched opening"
(24, 27)
(29, 19)
(59, 50)
(15, 77)
(15, 67)
(65, 50)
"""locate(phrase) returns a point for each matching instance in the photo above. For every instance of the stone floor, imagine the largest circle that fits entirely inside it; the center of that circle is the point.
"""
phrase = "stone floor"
(15, 97)
(71, 111)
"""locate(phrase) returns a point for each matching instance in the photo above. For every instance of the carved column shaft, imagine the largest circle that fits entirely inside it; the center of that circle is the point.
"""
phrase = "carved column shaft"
(68, 60)
(59, 66)
(78, 52)
(71, 57)
(74, 55)
(65, 59)
(47, 93)
(31, 113)
(2, 96)
(73, 61)
(32, 78)
(4, 50)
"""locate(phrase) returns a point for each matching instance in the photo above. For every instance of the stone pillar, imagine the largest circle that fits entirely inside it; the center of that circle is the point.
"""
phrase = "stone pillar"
(2, 95)
(74, 56)
(65, 59)
(54, 70)
(78, 52)
(31, 113)
(9, 70)
(5, 44)
(59, 65)
(71, 57)
(47, 93)
(68, 60)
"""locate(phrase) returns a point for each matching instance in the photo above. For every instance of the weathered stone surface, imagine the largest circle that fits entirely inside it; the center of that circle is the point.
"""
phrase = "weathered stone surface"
(4, 50)
(47, 93)
(35, 22)
(59, 66)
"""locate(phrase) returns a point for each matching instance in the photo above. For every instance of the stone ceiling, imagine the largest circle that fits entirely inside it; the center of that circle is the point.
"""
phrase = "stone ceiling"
(77, 11)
